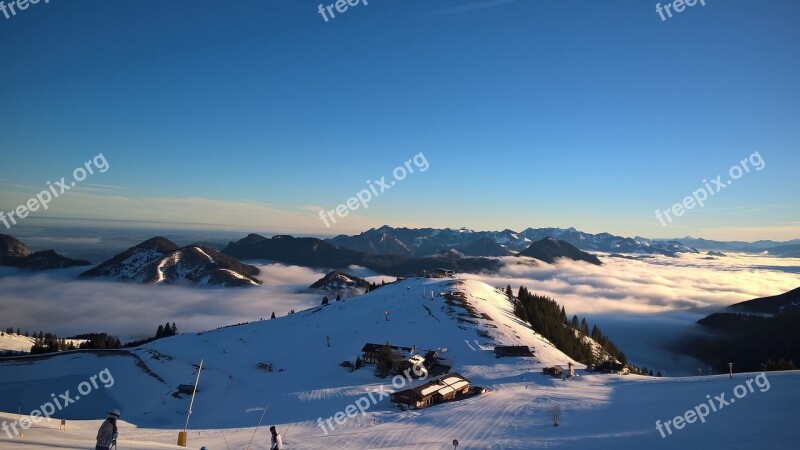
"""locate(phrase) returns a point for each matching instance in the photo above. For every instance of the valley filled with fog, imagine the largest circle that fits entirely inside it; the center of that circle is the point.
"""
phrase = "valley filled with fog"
(645, 304)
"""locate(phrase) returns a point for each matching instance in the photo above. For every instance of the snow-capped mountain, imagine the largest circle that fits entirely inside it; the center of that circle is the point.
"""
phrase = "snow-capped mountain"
(429, 241)
(158, 260)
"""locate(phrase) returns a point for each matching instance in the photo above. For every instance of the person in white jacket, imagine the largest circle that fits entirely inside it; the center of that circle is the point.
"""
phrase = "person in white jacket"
(277, 441)
(107, 434)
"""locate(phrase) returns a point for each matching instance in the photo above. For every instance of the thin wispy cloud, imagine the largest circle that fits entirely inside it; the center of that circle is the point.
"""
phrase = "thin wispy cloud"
(467, 7)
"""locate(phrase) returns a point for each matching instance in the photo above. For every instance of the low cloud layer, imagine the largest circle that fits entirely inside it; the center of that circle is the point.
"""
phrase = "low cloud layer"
(645, 306)
(653, 285)
(641, 304)
(55, 301)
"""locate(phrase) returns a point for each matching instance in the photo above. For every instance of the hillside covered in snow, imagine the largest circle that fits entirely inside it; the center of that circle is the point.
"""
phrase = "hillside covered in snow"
(159, 260)
(292, 366)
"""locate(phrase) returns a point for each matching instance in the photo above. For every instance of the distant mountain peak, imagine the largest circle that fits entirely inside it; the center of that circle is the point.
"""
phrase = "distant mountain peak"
(341, 282)
(550, 249)
(15, 254)
(159, 260)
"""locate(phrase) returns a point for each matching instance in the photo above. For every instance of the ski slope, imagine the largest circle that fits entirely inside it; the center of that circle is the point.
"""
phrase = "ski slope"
(20, 343)
(15, 343)
(468, 318)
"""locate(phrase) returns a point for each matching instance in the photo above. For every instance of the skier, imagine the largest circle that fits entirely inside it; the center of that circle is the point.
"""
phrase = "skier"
(277, 440)
(107, 434)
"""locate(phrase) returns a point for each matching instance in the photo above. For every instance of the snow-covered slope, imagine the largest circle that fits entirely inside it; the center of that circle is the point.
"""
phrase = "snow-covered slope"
(305, 368)
(15, 343)
(468, 318)
(20, 343)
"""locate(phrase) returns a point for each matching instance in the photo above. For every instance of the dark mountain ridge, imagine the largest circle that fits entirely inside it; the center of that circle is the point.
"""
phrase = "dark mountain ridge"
(14, 253)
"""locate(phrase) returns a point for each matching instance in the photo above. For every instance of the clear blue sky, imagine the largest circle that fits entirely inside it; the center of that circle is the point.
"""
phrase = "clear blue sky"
(255, 114)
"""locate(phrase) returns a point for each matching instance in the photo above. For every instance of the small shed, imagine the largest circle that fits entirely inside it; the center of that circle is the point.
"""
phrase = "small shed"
(187, 389)
(554, 371)
(438, 273)
(265, 366)
(612, 367)
(512, 350)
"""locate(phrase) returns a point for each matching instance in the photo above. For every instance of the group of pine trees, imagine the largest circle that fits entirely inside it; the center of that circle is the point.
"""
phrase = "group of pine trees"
(751, 342)
(325, 300)
(10, 330)
(374, 286)
(549, 319)
(51, 343)
(99, 341)
(163, 331)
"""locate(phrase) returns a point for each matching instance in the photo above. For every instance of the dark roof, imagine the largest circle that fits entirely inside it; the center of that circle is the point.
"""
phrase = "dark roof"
(512, 350)
(378, 347)
(610, 365)
(419, 391)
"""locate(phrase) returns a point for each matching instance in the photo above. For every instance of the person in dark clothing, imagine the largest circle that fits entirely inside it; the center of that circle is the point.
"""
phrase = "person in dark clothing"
(107, 434)
(277, 441)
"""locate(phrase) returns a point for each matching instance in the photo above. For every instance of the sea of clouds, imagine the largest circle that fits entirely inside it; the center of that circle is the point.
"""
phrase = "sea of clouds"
(642, 304)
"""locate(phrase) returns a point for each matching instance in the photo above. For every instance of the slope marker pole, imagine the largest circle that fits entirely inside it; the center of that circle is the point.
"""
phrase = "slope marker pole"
(257, 426)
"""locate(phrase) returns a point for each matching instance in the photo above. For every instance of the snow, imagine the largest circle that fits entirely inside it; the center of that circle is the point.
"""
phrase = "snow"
(240, 276)
(130, 268)
(307, 383)
(15, 343)
(172, 260)
(20, 343)
(200, 250)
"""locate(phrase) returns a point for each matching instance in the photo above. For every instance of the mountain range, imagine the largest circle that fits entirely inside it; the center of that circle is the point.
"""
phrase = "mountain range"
(315, 252)
(420, 242)
(787, 249)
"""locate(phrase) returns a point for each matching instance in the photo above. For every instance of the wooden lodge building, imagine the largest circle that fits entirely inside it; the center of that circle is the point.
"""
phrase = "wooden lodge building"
(512, 350)
(402, 357)
(439, 390)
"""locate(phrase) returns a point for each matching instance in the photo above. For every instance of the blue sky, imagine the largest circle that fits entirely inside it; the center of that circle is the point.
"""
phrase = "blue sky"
(253, 115)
